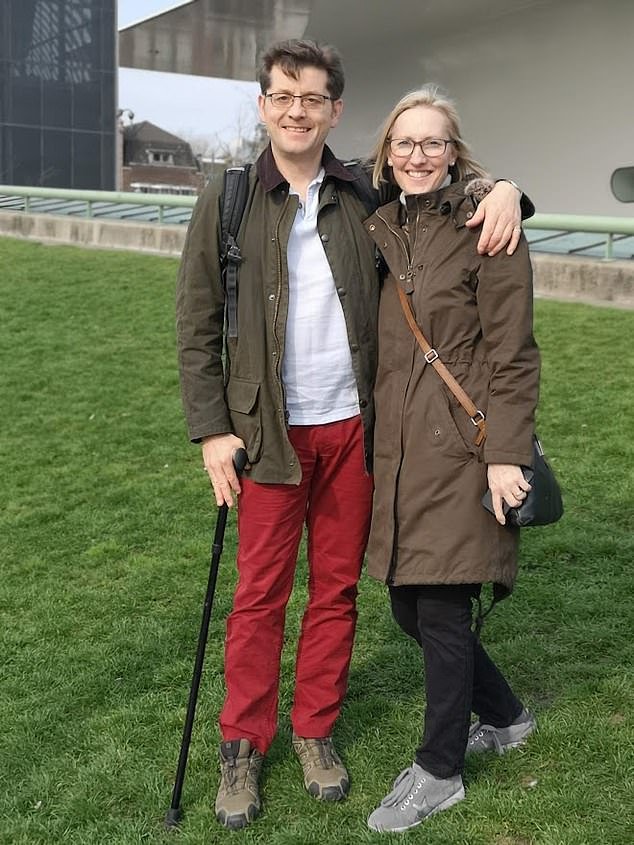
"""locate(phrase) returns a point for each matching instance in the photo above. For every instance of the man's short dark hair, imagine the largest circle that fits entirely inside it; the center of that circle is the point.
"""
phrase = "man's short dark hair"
(294, 55)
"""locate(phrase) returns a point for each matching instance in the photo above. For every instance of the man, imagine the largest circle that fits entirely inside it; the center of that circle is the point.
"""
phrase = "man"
(296, 393)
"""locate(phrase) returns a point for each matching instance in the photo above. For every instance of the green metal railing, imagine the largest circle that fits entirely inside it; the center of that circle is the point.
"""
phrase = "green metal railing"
(613, 228)
(94, 203)
(91, 198)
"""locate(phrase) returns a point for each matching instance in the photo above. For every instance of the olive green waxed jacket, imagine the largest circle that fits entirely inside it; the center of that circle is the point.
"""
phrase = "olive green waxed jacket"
(244, 394)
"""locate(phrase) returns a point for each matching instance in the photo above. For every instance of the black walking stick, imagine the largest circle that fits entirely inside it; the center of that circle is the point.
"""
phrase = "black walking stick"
(174, 814)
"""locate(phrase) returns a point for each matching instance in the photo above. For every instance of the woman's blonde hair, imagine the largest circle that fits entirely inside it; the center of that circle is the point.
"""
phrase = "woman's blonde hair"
(428, 95)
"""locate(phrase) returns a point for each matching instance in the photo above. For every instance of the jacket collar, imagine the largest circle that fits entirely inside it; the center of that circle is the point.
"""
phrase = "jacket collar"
(445, 200)
(270, 176)
(449, 201)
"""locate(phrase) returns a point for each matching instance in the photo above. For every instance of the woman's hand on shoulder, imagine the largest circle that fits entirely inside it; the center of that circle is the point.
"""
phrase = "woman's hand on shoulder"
(507, 484)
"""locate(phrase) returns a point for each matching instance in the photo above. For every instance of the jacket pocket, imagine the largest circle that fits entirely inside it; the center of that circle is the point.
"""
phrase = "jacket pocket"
(455, 439)
(246, 415)
(466, 431)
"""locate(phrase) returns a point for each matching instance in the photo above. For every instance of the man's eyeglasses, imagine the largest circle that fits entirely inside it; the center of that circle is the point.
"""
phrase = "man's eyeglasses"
(432, 147)
(308, 101)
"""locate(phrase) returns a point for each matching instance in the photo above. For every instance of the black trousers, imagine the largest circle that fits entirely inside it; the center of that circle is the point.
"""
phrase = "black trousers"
(460, 677)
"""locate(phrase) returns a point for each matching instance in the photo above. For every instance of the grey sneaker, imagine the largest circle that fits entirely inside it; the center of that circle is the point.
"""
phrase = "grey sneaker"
(416, 794)
(487, 738)
(325, 776)
(238, 799)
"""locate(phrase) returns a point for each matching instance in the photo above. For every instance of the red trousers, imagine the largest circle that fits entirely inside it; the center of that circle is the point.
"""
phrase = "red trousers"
(334, 501)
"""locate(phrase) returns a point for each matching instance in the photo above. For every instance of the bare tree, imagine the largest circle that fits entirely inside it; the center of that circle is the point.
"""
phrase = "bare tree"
(214, 153)
(252, 145)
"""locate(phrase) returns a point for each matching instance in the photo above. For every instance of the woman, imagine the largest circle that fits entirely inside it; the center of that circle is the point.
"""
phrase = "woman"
(432, 541)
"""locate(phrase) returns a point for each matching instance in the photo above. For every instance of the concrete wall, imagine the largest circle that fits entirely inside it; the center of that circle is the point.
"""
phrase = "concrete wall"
(544, 87)
(106, 234)
(560, 277)
(592, 280)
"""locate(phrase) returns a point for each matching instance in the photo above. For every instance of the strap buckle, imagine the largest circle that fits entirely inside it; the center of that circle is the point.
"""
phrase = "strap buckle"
(431, 356)
(233, 254)
(477, 418)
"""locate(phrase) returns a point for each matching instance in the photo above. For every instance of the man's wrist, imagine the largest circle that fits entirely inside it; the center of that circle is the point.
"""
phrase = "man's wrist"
(514, 184)
(527, 208)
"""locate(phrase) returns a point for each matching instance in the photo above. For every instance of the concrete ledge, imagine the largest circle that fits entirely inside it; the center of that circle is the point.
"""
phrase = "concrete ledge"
(584, 279)
(106, 234)
(558, 276)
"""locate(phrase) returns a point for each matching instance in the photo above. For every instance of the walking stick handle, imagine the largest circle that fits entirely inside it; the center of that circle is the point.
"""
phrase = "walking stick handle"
(240, 459)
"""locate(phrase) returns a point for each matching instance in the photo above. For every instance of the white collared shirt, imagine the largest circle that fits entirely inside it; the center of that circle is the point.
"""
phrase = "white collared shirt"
(317, 367)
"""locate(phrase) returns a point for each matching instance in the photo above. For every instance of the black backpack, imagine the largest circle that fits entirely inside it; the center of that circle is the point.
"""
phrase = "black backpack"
(233, 201)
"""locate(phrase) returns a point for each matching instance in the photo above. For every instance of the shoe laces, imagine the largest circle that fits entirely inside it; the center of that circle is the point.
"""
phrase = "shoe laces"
(239, 772)
(485, 735)
(229, 769)
(324, 749)
(405, 785)
(326, 753)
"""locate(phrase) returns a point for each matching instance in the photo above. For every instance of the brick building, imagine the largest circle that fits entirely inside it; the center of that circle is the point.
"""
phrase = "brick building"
(155, 161)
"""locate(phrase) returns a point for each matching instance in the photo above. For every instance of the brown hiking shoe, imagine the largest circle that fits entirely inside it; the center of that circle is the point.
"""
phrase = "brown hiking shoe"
(238, 799)
(325, 776)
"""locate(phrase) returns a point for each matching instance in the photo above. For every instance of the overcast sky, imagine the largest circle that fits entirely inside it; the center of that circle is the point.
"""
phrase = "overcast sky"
(191, 105)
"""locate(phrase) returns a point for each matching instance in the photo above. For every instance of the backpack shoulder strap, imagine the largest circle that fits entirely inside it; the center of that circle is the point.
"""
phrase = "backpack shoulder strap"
(363, 187)
(235, 192)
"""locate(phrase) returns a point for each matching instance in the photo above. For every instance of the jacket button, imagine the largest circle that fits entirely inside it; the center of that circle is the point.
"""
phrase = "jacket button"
(325, 238)
(271, 296)
(354, 347)
(469, 214)
(402, 276)
(341, 291)
(371, 227)
(363, 403)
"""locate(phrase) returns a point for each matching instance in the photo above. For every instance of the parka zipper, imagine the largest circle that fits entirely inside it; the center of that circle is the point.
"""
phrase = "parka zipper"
(389, 579)
(397, 235)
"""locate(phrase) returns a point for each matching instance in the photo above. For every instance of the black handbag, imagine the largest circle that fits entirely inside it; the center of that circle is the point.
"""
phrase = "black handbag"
(543, 504)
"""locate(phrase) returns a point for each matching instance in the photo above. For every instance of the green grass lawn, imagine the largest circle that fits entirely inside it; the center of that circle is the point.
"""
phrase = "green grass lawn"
(106, 521)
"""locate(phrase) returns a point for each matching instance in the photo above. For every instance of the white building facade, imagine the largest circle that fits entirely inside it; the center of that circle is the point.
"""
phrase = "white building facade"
(545, 88)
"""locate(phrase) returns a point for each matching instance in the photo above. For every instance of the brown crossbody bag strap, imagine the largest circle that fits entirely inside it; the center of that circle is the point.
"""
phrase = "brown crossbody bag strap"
(431, 356)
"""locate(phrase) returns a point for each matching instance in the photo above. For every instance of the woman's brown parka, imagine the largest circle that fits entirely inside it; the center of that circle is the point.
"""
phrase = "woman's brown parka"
(428, 523)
